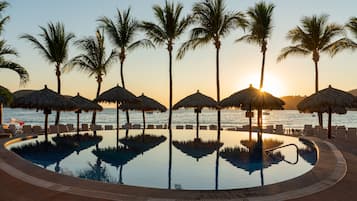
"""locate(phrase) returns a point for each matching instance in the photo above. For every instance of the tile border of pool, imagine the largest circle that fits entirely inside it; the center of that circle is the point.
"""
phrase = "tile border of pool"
(327, 172)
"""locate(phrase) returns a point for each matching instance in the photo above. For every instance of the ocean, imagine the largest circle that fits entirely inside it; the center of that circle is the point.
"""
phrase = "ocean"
(229, 118)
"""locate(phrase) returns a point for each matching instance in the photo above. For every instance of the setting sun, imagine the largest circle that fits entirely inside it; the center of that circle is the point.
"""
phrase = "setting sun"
(272, 84)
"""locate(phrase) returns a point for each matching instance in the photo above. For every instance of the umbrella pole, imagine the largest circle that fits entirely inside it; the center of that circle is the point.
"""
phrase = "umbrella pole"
(197, 123)
(250, 122)
(117, 124)
(78, 112)
(144, 120)
(1, 108)
(46, 112)
(329, 122)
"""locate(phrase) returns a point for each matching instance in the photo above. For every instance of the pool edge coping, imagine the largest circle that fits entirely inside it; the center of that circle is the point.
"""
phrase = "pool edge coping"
(334, 177)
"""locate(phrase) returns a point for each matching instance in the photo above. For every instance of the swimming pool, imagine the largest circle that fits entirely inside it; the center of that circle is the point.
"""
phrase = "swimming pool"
(152, 161)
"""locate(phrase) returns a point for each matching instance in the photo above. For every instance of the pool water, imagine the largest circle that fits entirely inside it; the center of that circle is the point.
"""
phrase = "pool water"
(178, 162)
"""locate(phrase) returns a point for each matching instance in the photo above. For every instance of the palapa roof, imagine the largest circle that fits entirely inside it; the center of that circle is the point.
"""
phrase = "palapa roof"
(335, 99)
(254, 98)
(116, 156)
(196, 100)
(117, 94)
(145, 104)
(85, 104)
(42, 99)
(197, 148)
(5, 95)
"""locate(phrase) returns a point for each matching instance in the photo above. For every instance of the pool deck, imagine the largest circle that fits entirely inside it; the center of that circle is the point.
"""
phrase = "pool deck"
(333, 178)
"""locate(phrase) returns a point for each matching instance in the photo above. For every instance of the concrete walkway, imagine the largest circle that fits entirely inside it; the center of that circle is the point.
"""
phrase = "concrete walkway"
(20, 180)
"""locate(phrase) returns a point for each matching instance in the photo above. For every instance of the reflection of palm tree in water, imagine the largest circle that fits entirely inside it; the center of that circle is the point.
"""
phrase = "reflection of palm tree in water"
(96, 172)
(170, 157)
(216, 170)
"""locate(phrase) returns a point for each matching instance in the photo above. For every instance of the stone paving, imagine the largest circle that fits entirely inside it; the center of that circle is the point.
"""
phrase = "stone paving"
(21, 180)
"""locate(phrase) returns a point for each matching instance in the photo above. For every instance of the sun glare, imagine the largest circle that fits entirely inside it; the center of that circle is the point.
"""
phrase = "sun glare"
(272, 84)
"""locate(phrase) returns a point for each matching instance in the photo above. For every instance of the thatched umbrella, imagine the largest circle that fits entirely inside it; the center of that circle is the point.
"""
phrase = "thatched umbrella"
(117, 95)
(78, 142)
(146, 104)
(250, 99)
(85, 105)
(197, 101)
(116, 156)
(197, 148)
(142, 143)
(5, 98)
(44, 99)
(44, 153)
(328, 100)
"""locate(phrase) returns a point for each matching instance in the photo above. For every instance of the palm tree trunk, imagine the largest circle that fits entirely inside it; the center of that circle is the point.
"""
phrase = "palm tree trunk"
(123, 84)
(170, 78)
(1, 106)
(46, 112)
(197, 123)
(58, 74)
(262, 71)
(329, 123)
(170, 158)
(316, 90)
(217, 169)
(144, 120)
(78, 112)
(260, 110)
(97, 95)
(218, 95)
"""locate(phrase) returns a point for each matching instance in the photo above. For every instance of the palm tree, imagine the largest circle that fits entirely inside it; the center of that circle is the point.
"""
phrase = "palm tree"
(54, 48)
(260, 26)
(170, 26)
(7, 50)
(313, 37)
(122, 33)
(93, 61)
(6, 64)
(213, 22)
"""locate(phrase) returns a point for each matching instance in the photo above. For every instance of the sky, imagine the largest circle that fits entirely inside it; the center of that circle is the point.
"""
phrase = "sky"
(146, 70)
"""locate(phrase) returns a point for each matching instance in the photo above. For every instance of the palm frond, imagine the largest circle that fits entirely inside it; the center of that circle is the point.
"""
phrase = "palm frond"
(55, 42)
(260, 23)
(352, 26)
(20, 70)
(6, 50)
(141, 43)
(292, 50)
(339, 45)
(93, 60)
(37, 44)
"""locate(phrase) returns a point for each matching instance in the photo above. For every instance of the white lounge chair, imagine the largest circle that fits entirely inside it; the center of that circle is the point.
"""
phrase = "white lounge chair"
(213, 127)
(279, 129)
(188, 126)
(136, 126)
(37, 130)
(27, 129)
(203, 127)
(108, 127)
(84, 127)
(179, 127)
